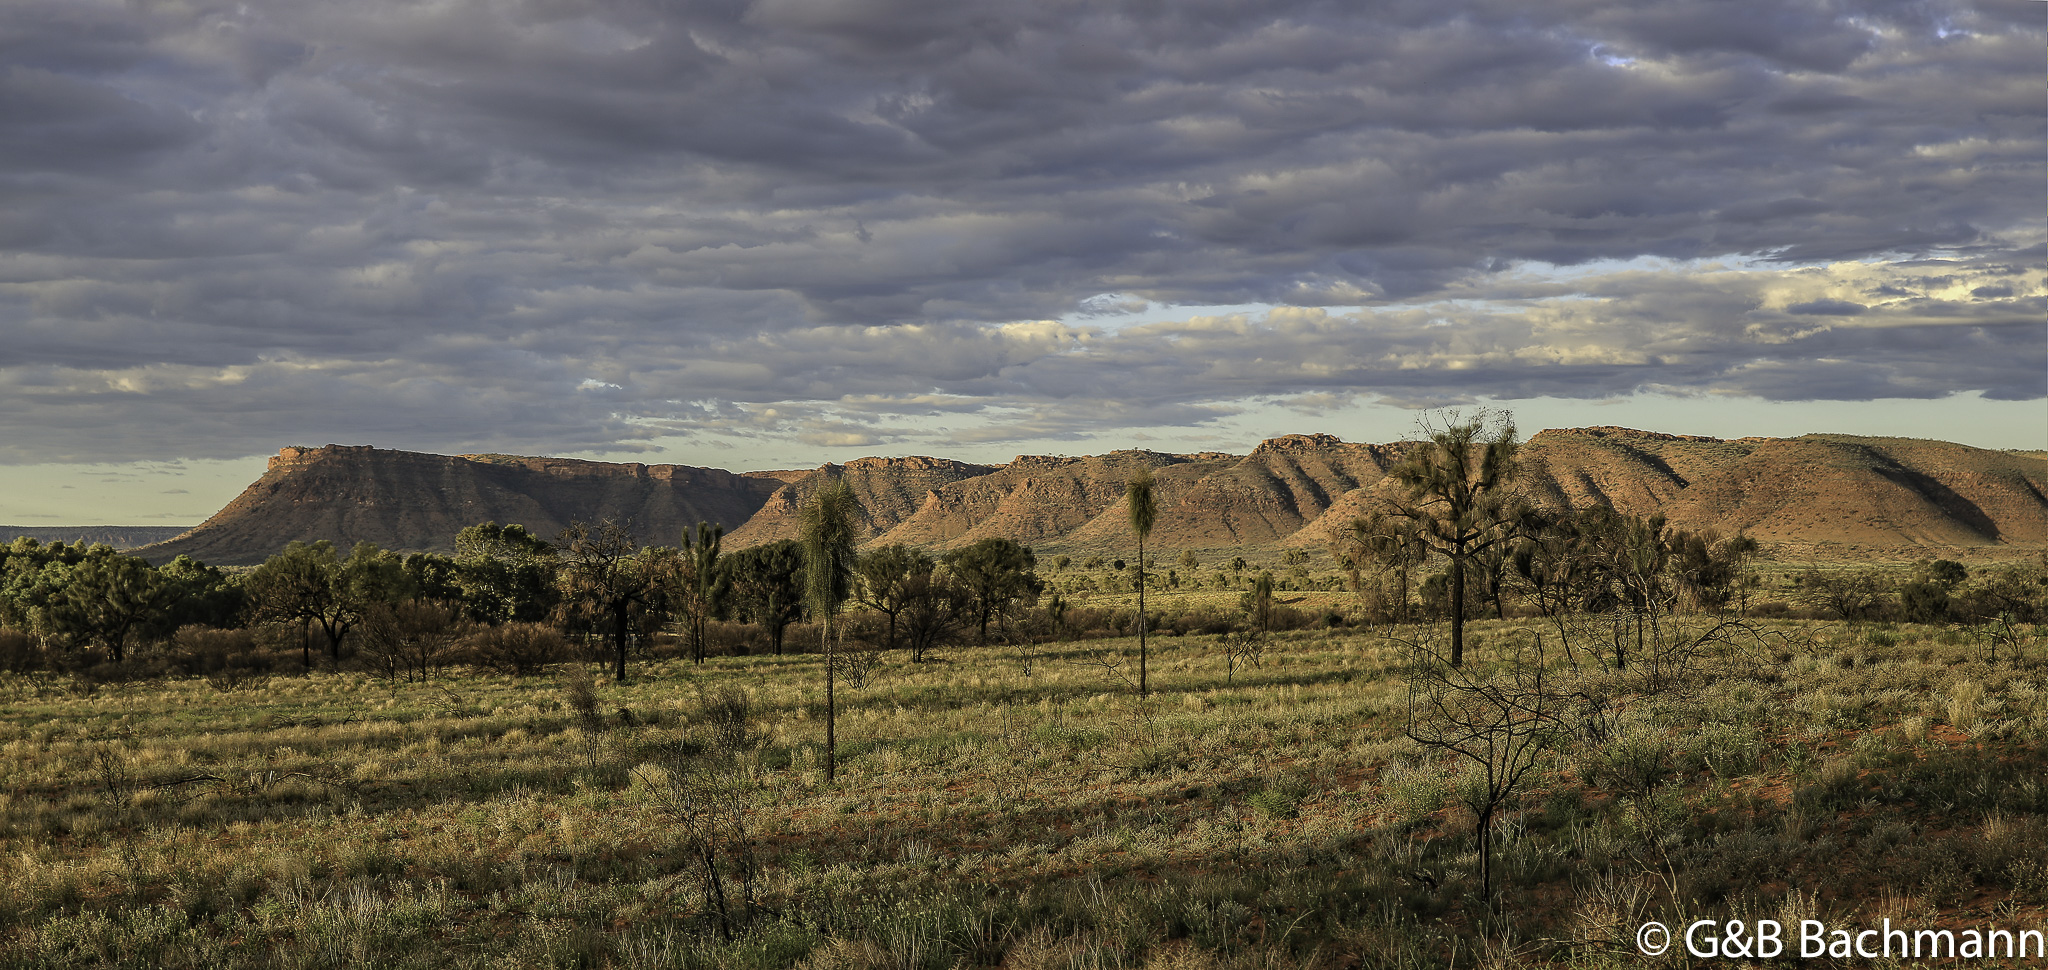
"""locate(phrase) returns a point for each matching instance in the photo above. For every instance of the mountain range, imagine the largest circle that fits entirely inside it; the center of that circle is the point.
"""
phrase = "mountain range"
(1824, 497)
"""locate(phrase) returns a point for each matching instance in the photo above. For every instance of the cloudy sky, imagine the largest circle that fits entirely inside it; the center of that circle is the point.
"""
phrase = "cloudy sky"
(773, 233)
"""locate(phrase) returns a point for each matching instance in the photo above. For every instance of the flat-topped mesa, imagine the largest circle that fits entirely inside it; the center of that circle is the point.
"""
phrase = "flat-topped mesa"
(301, 455)
(1615, 431)
(412, 502)
(580, 468)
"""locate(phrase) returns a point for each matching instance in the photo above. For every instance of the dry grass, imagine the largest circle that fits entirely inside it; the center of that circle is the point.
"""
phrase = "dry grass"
(1012, 806)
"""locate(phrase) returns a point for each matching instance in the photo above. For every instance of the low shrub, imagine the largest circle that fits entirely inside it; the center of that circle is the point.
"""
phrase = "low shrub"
(520, 649)
(19, 653)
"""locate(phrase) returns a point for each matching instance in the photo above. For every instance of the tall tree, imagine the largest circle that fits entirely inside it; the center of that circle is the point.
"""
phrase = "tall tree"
(107, 596)
(506, 574)
(201, 594)
(888, 576)
(829, 539)
(935, 609)
(1138, 497)
(703, 583)
(1454, 488)
(768, 586)
(293, 586)
(606, 576)
(308, 583)
(996, 572)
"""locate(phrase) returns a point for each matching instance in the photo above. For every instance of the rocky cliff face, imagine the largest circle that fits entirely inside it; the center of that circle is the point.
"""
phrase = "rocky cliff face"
(1284, 484)
(1039, 499)
(889, 490)
(1819, 496)
(408, 501)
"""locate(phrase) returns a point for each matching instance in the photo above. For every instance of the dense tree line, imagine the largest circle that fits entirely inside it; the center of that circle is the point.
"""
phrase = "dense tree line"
(506, 598)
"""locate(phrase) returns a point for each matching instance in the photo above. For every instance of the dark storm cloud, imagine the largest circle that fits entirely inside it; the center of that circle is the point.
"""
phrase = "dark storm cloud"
(585, 224)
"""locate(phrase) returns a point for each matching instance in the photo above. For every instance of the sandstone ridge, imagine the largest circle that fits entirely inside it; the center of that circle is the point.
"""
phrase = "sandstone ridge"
(1821, 496)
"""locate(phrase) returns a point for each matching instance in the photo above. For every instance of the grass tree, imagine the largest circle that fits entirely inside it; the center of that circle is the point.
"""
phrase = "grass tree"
(829, 539)
(1144, 511)
(703, 582)
(1454, 488)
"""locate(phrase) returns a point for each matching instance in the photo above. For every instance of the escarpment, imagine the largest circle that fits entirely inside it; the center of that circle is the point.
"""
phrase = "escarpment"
(1815, 496)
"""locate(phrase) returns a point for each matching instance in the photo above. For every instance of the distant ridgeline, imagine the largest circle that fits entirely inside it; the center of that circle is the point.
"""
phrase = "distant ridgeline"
(118, 536)
(1823, 497)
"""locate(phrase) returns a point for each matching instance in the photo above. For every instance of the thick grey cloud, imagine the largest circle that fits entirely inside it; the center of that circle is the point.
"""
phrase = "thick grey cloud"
(561, 225)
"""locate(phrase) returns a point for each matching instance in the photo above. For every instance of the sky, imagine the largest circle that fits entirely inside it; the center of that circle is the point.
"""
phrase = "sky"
(774, 233)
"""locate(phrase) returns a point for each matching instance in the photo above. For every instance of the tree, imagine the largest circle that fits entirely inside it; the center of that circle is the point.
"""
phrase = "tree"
(1257, 604)
(935, 612)
(1454, 489)
(701, 584)
(505, 573)
(201, 594)
(307, 583)
(1501, 720)
(996, 572)
(829, 540)
(1850, 596)
(1143, 510)
(31, 583)
(294, 586)
(410, 640)
(607, 578)
(1551, 563)
(107, 596)
(2017, 592)
(1636, 556)
(1709, 570)
(887, 578)
(1386, 549)
(768, 586)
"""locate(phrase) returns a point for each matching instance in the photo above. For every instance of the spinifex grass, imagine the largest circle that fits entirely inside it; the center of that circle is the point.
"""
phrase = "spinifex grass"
(1012, 806)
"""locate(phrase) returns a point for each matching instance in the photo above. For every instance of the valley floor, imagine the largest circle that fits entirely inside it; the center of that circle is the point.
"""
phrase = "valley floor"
(1018, 807)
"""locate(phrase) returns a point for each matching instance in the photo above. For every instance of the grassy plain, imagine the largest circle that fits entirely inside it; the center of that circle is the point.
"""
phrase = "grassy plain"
(1009, 806)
